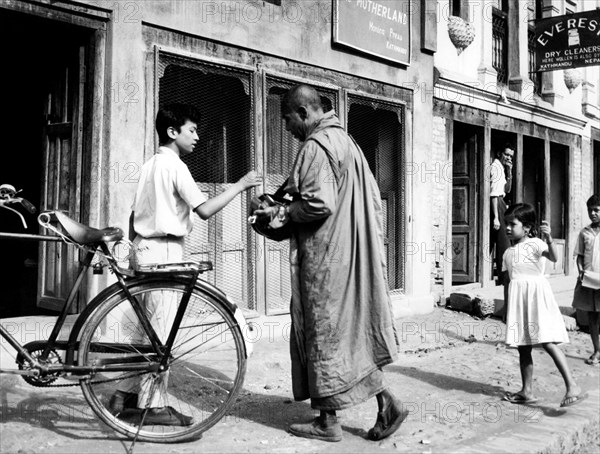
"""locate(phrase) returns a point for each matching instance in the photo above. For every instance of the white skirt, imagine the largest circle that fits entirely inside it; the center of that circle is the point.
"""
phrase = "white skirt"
(533, 316)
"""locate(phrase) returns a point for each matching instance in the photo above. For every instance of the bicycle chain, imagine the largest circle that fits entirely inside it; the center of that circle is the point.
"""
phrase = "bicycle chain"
(93, 382)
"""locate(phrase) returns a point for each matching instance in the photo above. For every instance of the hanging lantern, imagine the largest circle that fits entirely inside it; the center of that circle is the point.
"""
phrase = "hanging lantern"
(572, 78)
(461, 33)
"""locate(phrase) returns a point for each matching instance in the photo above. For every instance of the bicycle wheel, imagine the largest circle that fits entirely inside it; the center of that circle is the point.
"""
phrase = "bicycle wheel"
(205, 370)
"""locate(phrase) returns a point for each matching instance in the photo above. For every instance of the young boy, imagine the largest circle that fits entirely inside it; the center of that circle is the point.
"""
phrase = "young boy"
(587, 290)
(161, 217)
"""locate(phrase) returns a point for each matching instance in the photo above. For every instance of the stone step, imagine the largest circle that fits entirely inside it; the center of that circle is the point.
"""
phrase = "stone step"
(471, 299)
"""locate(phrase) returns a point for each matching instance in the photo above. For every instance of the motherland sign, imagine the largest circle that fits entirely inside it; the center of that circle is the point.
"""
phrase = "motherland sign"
(569, 41)
(380, 28)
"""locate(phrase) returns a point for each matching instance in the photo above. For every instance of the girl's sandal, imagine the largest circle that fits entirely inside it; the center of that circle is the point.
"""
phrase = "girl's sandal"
(572, 400)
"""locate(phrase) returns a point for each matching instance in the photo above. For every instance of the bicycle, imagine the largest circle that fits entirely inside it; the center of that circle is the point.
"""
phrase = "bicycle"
(195, 362)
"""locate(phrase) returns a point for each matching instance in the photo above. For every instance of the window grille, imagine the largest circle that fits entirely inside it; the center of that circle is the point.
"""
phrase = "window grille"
(378, 128)
(280, 153)
(224, 153)
(500, 44)
(535, 76)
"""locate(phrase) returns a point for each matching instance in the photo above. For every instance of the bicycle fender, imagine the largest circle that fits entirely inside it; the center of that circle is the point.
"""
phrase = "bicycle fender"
(201, 285)
(236, 312)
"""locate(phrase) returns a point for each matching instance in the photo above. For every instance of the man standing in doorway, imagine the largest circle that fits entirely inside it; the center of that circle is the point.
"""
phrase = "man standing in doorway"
(342, 323)
(500, 185)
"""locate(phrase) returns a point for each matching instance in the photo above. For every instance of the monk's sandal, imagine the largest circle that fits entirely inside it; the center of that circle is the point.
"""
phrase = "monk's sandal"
(388, 421)
(332, 432)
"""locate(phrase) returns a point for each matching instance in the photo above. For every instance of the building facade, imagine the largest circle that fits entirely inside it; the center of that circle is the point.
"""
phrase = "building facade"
(487, 93)
(427, 88)
(103, 68)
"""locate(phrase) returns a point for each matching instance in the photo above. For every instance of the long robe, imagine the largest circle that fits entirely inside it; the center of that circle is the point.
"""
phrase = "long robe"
(343, 327)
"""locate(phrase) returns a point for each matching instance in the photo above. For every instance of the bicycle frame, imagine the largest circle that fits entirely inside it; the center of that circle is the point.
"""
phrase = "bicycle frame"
(101, 360)
(70, 365)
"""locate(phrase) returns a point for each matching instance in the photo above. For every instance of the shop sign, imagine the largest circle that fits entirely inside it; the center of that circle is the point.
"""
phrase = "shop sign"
(569, 41)
(380, 28)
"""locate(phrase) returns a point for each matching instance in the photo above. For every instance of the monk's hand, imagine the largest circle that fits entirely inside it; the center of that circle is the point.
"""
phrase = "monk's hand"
(266, 213)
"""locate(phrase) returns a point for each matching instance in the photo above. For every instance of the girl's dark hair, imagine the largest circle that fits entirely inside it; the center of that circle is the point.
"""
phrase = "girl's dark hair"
(593, 201)
(525, 213)
(174, 115)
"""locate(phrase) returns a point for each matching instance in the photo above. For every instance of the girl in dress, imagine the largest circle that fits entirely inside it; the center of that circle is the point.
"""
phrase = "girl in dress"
(533, 315)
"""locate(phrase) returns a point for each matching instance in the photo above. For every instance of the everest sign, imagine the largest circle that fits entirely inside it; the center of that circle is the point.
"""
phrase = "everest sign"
(569, 41)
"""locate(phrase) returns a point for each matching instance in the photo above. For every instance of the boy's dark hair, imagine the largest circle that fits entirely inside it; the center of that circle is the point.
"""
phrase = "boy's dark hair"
(174, 115)
(525, 213)
(593, 201)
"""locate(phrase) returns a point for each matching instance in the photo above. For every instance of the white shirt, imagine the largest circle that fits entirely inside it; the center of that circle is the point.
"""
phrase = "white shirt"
(588, 245)
(165, 197)
(497, 179)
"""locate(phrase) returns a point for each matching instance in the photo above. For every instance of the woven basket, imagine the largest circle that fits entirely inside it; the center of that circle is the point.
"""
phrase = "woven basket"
(461, 33)
(572, 78)
(484, 307)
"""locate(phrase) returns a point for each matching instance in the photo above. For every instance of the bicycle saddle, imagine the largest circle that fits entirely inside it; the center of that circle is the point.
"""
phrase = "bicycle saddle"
(83, 234)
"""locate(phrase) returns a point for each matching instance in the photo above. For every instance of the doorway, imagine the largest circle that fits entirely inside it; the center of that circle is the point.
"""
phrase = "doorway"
(41, 65)
(556, 212)
(466, 241)
(533, 173)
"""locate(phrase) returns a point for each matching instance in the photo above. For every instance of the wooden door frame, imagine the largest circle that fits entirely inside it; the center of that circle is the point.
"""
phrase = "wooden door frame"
(595, 152)
(90, 131)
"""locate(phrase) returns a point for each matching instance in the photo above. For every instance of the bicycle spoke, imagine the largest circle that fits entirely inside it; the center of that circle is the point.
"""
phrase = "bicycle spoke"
(204, 374)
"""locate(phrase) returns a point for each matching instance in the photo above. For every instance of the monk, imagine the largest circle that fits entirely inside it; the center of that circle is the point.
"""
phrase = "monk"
(342, 323)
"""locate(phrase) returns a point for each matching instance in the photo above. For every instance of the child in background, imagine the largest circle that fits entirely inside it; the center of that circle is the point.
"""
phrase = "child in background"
(587, 292)
(533, 315)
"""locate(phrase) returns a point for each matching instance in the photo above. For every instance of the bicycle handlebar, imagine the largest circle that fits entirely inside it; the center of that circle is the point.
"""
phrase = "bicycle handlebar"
(8, 196)
(28, 205)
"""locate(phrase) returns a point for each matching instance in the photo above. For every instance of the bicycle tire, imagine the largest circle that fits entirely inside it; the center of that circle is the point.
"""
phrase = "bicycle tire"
(205, 372)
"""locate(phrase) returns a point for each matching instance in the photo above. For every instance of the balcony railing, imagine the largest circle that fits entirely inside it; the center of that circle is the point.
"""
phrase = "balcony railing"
(500, 44)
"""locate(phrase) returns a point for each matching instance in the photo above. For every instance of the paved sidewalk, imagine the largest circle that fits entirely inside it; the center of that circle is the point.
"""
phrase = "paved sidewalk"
(451, 374)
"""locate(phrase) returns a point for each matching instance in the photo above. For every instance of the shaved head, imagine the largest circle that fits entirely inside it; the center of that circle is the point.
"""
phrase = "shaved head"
(302, 95)
(301, 109)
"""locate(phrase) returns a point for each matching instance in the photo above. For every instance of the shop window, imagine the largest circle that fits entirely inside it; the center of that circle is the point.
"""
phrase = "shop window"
(224, 153)
(378, 128)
